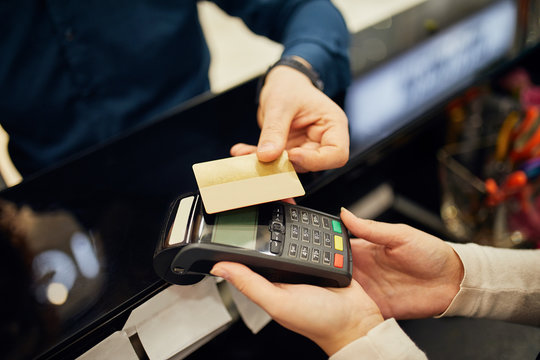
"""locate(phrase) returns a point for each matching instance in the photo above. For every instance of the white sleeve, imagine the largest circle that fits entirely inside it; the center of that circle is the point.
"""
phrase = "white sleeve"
(386, 341)
(501, 284)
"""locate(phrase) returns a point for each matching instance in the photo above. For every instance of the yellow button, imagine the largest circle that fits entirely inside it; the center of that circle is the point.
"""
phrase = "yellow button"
(338, 242)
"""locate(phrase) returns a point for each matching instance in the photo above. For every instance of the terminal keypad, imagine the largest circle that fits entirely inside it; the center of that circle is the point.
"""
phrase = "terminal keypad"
(314, 237)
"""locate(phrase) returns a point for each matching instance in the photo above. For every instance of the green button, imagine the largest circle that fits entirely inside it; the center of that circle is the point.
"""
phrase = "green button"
(336, 225)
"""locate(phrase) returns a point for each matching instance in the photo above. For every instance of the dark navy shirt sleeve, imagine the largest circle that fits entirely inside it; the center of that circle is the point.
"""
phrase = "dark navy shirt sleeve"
(311, 29)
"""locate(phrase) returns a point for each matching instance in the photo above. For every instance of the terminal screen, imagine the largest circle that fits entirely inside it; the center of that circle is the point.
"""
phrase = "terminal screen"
(236, 228)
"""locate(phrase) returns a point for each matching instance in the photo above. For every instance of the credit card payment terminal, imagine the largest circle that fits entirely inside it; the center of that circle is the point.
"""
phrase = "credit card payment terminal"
(282, 242)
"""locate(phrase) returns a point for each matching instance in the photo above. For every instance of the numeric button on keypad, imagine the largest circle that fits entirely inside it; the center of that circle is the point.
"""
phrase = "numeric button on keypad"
(306, 234)
(293, 250)
(304, 252)
(316, 255)
(317, 237)
(327, 257)
(294, 214)
(327, 240)
(315, 220)
(295, 231)
(326, 223)
(305, 217)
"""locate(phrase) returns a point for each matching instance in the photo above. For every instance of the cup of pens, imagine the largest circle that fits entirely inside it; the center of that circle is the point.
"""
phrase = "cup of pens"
(491, 187)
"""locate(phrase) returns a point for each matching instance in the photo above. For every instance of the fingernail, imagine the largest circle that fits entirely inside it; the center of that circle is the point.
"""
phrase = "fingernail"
(265, 147)
(218, 271)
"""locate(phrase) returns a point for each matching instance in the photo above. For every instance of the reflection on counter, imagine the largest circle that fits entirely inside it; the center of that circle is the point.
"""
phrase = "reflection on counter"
(59, 261)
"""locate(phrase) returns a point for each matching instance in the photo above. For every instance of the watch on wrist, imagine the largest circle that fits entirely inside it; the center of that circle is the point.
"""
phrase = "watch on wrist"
(290, 61)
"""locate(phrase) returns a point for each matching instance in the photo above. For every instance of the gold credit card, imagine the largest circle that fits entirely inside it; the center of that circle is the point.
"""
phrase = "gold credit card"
(240, 181)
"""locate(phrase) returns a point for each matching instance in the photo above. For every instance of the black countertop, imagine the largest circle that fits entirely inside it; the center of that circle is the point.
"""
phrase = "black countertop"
(92, 224)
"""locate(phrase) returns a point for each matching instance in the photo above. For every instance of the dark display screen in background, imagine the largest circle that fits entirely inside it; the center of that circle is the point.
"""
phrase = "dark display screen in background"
(389, 97)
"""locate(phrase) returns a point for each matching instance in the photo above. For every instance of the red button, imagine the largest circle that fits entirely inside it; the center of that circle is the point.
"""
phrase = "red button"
(338, 260)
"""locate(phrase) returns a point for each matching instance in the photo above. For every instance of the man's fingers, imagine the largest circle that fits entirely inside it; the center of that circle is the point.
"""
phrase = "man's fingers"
(274, 134)
(327, 148)
(254, 286)
(323, 158)
(290, 201)
(243, 149)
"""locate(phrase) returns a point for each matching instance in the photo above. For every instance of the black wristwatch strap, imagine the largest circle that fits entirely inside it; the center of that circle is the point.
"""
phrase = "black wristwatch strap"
(295, 64)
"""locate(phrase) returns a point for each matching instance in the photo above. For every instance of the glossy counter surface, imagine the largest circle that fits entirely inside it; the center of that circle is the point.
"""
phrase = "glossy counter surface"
(77, 241)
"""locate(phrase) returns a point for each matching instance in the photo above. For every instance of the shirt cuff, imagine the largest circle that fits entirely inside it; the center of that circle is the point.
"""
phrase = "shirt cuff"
(498, 284)
(334, 71)
(385, 341)
(462, 302)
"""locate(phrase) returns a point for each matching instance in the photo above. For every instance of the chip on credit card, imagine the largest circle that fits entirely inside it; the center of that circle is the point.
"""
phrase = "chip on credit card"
(241, 181)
